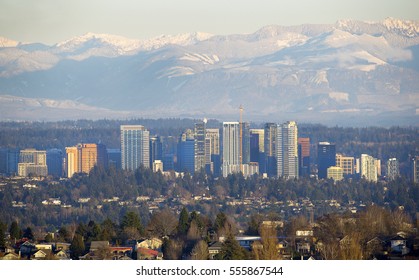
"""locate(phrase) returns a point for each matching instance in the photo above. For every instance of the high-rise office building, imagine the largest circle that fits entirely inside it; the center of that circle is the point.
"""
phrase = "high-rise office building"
(135, 147)
(9, 160)
(200, 136)
(213, 140)
(55, 162)
(231, 148)
(393, 170)
(326, 157)
(270, 149)
(287, 150)
(245, 134)
(335, 173)
(304, 156)
(114, 158)
(156, 149)
(186, 152)
(346, 163)
(83, 157)
(369, 168)
(415, 169)
(33, 162)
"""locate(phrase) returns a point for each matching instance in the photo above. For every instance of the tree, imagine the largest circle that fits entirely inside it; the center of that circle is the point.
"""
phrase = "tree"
(172, 249)
(267, 249)
(49, 238)
(64, 234)
(3, 228)
(27, 233)
(15, 231)
(77, 247)
(231, 249)
(162, 223)
(131, 219)
(200, 251)
(183, 224)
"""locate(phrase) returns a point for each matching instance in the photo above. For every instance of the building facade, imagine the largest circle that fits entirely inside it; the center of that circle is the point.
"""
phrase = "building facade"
(346, 163)
(83, 157)
(231, 148)
(393, 170)
(326, 157)
(270, 149)
(335, 173)
(200, 151)
(135, 147)
(369, 170)
(304, 156)
(32, 162)
(287, 150)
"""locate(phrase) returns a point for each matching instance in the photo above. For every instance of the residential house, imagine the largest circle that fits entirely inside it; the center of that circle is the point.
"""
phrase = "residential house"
(27, 249)
(61, 255)
(148, 254)
(213, 249)
(11, 256)
(119, 252)
(398, 245)
(151, 243)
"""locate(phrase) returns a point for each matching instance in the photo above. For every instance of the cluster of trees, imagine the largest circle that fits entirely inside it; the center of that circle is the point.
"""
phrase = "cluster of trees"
(103, 184)
(187, 235)
(343, 237)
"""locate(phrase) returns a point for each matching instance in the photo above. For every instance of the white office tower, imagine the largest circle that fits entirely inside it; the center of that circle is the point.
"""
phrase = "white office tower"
(231, 148)
(135, 147)
(287, 150)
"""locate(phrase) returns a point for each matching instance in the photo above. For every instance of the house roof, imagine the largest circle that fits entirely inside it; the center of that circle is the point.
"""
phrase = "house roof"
(98, 245)
(145, 251)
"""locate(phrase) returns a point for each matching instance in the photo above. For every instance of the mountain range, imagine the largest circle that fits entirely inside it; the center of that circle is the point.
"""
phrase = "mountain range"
(348, 73)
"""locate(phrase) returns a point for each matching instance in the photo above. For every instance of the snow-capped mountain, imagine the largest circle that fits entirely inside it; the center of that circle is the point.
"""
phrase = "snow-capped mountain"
(351, 71)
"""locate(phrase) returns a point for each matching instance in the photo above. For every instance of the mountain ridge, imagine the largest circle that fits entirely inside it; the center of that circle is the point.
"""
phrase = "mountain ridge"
(330, 72)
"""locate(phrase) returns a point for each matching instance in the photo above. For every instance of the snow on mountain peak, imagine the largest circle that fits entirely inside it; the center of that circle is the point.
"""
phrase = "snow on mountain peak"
(119, 42)
(7, 43)
(405, 27)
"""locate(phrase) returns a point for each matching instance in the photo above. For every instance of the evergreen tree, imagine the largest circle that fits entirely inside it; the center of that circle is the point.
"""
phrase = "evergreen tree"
(3, 228)
(15, 231)
(183, 222)
(77, 247)
(231, 249)
(28, 233)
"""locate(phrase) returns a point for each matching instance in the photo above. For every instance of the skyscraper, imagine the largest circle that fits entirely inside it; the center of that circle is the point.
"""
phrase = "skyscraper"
(245, 127)
(393, 169)
(156, 149)
(200, 155)
(369, 168)
(135, 147)
(270, 149)
(257, 148)
(415, 169)
(326, 157)
(346, 163)
(83, 157)
(287, 150)
(304, 156)
(32, 161)
(186, 152)
(55, 162)
(231, 148)
(213, 140)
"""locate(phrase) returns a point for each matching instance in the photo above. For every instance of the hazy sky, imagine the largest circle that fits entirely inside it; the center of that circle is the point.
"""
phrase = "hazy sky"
(52, 21)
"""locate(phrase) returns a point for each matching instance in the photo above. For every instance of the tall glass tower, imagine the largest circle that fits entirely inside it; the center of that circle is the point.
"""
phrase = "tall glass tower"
(231, 148)
(135, 147)
(287, 150)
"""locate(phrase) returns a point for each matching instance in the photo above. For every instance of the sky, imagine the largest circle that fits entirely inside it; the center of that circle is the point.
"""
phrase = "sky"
(53, 21)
